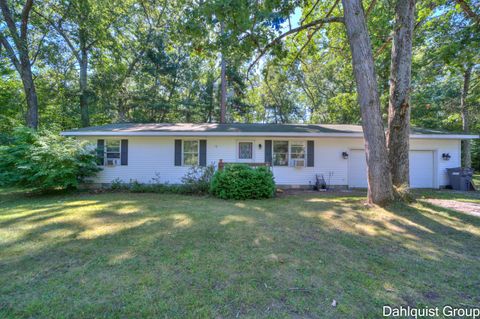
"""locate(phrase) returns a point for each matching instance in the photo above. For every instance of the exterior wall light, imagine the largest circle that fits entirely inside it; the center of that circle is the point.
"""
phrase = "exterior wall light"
(446, 156)
(259, 146)
(345, 155)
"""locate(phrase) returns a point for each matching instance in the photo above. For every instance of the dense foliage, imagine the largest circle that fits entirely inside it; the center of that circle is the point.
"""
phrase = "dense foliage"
(243, 182)
(45, 161)
(158, 61)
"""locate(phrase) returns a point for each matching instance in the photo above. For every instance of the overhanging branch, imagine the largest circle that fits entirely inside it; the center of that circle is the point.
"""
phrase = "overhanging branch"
(10, 52)
(293, 31)
(468, 11)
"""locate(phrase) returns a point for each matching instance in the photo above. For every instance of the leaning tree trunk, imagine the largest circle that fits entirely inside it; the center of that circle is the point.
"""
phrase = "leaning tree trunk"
(466, 145)
(398, 133)
(380, 190)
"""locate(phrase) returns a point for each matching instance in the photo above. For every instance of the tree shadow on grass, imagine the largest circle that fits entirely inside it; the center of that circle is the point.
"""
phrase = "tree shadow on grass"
(180, 256)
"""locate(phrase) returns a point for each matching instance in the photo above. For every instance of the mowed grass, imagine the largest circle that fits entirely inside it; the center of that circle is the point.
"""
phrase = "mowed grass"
(150, 255)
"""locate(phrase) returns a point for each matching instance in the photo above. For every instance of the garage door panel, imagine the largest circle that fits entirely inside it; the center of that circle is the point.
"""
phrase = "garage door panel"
(357, 169)
(421, 169)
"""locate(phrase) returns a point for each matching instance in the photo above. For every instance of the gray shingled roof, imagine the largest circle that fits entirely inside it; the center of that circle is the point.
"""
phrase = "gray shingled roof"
(233, 128)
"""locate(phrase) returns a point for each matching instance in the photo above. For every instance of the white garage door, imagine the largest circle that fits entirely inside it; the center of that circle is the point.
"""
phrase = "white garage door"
(357, 169)
(421, 169)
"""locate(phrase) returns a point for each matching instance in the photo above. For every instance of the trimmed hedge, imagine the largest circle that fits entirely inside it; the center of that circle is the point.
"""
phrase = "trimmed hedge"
(243, 182)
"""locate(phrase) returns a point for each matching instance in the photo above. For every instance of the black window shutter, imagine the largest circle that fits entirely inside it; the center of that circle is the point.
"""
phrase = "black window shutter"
(124, 154)
(178, 152)
(100, 152)
(310, 153)
(268, 151)
(203, 153)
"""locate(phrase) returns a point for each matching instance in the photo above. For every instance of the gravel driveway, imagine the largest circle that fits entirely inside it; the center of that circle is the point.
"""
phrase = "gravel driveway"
(464, 207)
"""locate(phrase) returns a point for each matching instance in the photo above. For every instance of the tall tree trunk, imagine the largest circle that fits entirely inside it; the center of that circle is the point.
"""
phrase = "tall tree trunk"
(30, 94)
(223, 91)
(212, 99)
(85, 118)
(223, 86)
(466, 144)
(398, 134)
(380, 190)
(21, 63)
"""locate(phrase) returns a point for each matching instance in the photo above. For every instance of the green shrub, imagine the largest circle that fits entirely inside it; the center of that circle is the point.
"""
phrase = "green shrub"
(45, 161)
(197, 180)
(243, 182)
(136, 187)
(117, 185)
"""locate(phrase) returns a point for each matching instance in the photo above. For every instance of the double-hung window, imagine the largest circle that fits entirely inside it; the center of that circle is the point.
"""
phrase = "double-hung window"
(245, 150)
(113, 149)
(280, 153)
(297, 153)
(190, 153)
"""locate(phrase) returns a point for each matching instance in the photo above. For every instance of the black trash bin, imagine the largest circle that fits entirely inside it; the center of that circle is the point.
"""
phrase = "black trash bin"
(460, 178)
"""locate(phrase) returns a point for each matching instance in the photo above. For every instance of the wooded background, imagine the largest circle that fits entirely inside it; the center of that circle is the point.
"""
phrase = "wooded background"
(96, 61)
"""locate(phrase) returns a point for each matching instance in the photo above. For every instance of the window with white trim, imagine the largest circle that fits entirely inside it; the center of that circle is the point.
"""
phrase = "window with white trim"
(280, 153)
(112, 148)
(190, 153)
(245, 150)
(297, 153)
(111, 152)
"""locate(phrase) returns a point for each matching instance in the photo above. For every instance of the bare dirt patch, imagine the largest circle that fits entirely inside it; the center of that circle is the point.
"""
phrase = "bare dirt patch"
(463, 207)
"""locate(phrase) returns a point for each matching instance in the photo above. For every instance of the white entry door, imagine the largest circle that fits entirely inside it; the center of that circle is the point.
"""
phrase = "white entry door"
(421, 169)
(357, 169)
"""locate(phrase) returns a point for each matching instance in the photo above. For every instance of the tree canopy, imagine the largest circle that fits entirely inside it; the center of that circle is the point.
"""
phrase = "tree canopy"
(97, 62)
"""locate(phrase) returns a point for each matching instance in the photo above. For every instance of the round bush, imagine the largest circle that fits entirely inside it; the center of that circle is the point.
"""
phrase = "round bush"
(243, 182)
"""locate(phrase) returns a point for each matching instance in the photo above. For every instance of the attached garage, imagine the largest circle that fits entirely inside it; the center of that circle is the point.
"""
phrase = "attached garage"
(357, 169)
(422, 168)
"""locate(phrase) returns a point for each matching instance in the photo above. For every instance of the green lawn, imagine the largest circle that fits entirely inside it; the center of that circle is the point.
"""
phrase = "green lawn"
(476, 181)
(133, 255)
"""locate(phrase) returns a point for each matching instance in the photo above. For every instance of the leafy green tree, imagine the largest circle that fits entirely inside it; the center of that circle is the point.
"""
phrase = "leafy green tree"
(82, 26)
(45, 161)
(15, 39)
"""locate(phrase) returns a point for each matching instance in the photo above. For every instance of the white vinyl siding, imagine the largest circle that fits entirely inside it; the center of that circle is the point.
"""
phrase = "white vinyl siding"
(149, 155)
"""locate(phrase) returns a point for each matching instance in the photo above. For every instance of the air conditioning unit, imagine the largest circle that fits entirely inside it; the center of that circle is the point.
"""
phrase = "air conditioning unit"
(112, 162)
(298, 163)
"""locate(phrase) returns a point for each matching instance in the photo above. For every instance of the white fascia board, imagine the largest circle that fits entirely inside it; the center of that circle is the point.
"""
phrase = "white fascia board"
(272, 134)
(445, 136)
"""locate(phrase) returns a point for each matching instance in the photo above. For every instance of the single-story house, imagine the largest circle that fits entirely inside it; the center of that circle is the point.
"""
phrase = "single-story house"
(297, 152)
